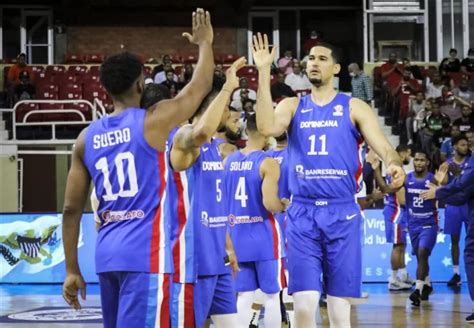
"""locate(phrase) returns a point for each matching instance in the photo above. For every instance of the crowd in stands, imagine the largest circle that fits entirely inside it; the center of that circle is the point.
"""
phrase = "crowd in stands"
(428, 106)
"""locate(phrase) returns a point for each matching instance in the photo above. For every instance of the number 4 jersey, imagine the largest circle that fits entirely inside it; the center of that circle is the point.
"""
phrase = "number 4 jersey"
(255, 233)
(129, 178)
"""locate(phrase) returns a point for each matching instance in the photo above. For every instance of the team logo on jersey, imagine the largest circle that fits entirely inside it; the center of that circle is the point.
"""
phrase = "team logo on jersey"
(116, 216)
(299, 171)
(338, 110)
(204, 218)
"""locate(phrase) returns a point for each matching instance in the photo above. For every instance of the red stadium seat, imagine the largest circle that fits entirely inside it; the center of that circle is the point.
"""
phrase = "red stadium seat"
(90, 78)
(190, 58)
(247, 71)
(226, 58)
(23, 109)
(95, 70)
(52, 71)
(94, 90)
(94, 58)
(47, 91)
(73, 59)
(37, 68)
(176, 58)
(70, 91)
(52, 117)
(83, 108)
(253, 82)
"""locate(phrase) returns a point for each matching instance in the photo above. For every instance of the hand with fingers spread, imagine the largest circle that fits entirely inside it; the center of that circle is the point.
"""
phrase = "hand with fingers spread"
(232, 80)
(262, 55)
(430, 193)
(441, 173)
(202, 28)
(72, 284)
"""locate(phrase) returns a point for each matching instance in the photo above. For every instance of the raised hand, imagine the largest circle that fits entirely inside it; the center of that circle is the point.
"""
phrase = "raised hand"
(430, 193)
(397, 174)
(202, 28)
(441, 173)
(262, 55)
(232, 80)
(72, 284)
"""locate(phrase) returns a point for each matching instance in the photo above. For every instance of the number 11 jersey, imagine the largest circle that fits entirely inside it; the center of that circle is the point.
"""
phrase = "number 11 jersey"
(129, 177)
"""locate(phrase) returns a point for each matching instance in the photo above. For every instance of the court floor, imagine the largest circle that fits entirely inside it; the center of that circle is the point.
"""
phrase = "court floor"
(21, 305)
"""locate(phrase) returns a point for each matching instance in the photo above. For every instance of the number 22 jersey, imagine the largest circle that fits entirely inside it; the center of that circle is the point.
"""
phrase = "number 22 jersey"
(129, 177)
(419, 212)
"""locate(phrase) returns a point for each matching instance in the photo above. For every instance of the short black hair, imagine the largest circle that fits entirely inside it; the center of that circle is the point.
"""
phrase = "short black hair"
(205, 103)
(453, 50)
(336, 52)
(154, 93)
(252, 123)
(421, 151)
(458, 138)
(402, 148)
(119, 72)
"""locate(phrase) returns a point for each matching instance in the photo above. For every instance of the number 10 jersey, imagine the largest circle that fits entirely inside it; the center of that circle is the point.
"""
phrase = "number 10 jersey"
(129, 178)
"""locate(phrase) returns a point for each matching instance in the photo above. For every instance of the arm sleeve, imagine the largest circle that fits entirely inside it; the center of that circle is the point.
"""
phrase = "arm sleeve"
(457, 199)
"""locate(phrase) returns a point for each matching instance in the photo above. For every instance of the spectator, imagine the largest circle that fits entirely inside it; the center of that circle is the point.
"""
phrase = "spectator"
(416, 107)
(447, 149)
(16, 69)
(280, 90)
(25, 89)
(244, 85)
(468, 62)
(313, 41)
(392, 71)
(285, 63)
(451, 63)
(161, 76)
(466, 122)
(238, 104)
(434, 86)
(432, 128)
(450, 106)
(297, 80)
(185, 75)
(361, 83)
(219, 77)
(170, 83)
(166, 59)
(470, 138)
(406, 88)
(463, 91)
(248, 106)
(414, 69)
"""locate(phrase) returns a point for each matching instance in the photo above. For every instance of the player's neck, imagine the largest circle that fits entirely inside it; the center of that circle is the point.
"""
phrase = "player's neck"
(323, 94)
(122, 105)
(252, 145)
(421, 175)
(459, 158)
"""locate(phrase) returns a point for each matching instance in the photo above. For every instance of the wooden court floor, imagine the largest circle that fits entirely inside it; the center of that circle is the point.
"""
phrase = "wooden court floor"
(446, 307)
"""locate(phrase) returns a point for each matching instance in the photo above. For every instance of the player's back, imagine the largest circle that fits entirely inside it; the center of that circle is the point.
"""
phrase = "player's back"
(255, 232)
(325, 150)
(419, 212)
(129, 179)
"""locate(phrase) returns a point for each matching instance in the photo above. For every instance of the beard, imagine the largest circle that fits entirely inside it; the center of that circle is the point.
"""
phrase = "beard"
(231, 135)
(316, 82)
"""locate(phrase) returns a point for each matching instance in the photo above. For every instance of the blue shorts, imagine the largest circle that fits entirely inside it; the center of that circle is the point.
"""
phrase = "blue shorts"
(395, 233)
(327, 239)
(454, 217)
(268, 275)
(423, 237)
(135, 299)
(214, 295)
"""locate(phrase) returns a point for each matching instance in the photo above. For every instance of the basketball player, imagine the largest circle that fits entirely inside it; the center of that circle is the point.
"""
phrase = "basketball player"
(326, 130)
(455, 216)
(123, 155)
(395, 225)
(422, 221)
(459, 191)
(252, 190)
(200, 247)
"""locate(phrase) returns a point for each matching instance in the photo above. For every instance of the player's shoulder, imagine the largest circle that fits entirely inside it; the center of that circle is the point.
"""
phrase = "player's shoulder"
(289, 103)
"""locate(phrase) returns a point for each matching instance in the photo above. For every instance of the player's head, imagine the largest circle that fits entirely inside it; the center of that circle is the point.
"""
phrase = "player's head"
(323, 64)
(252, 131)
(461, 145)
(405, 153)
(232, 126)
(204, 105)
(153, 94)
(122, 77)
(421, 161)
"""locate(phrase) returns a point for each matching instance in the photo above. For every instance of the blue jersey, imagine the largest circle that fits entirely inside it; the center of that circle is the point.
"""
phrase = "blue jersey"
(199, 216)
(419, 212)
(255, 233)
(392, 206)
(460, 166)
(324, 150)
(129, 178)
(281, 156)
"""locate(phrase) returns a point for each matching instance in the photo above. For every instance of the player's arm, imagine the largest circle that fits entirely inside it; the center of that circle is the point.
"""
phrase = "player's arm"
(367, 123)
(229, 248)
(270, 173)
(270, 122)
(169, 113)
(401, 196)
(77, 189)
